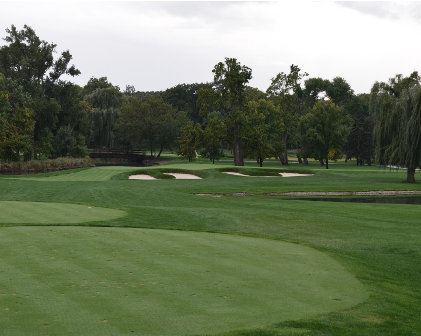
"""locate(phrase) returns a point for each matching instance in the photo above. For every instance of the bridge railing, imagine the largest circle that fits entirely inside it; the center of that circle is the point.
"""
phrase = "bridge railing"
(116, 151)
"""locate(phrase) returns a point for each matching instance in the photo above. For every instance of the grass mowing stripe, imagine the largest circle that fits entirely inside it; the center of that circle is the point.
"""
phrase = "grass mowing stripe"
(188, 279)
(17, 212)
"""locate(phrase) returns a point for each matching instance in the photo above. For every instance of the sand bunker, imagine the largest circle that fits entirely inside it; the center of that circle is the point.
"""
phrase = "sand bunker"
(182, 176)
(282, 174)
(294, 174)
(239, 174)
(141, 177)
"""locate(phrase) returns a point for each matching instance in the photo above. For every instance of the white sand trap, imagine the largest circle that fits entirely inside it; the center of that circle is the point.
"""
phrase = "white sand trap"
(233, 173)
(239, 174)
(181, 176)
(141, 177)
(282, 174)
(294, 174)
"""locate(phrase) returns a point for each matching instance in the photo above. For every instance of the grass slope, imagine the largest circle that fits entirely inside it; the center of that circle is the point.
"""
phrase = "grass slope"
(378, 243)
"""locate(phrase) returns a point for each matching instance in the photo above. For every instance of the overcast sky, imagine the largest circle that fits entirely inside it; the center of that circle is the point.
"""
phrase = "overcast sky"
(156, 45)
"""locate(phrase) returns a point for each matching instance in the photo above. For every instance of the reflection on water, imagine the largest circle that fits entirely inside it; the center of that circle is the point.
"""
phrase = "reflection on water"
(368, 199)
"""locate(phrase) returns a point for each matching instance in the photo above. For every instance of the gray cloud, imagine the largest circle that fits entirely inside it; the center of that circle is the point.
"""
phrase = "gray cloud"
(385, 9)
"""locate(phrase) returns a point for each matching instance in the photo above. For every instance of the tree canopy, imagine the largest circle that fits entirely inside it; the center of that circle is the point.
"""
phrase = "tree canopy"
(397, 108)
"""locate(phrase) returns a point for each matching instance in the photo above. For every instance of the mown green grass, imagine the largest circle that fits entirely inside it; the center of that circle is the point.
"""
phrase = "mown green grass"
(378, 244)
(162, 282)
(13, 212)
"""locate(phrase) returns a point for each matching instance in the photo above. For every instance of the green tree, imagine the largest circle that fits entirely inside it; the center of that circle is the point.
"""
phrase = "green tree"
(325, 129)
(16, 135)
(30, 61)
(190, 141)
(152, 123)
(183, 97)
(214, 133)
(261, 130)
(228, 96)
(360, 143)
(46, 116)
(397, 109)
(284, 91)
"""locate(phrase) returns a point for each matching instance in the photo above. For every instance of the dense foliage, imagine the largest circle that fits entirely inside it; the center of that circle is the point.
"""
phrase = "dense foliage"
(42, 115)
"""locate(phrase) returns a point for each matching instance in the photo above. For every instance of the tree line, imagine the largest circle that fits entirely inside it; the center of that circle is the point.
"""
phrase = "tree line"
(44, 115)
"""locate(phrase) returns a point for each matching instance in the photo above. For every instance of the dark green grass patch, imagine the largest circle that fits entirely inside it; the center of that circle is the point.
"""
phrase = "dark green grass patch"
(108, 281)
(13, 212)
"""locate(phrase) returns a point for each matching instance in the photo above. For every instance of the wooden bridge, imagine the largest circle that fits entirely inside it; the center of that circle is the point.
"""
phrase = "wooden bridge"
(109, 153)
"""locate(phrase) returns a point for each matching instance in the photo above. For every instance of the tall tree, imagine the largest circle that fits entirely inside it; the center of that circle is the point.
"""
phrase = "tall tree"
(284, 91)
(261, 130)
(190, 141)
(360, 143)
(152, 123)
(397, 109)
(33, 77)
(214, 134)
(183, 97)
(325, 129)
(229, 95)
(30, 61)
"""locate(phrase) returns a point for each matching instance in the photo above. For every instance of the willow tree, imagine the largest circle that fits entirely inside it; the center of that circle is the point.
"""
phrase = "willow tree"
(397, 109)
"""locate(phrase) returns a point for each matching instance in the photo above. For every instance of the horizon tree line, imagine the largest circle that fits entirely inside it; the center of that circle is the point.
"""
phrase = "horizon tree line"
(42, 115)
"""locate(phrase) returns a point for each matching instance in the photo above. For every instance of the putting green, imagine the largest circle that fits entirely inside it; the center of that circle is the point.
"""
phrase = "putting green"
(14, 212)
(115, 281)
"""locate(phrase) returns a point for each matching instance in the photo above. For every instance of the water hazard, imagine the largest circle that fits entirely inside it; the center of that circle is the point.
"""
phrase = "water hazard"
(367, 199)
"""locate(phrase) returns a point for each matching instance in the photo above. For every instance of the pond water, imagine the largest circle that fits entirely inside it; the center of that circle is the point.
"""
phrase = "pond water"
(368, 199)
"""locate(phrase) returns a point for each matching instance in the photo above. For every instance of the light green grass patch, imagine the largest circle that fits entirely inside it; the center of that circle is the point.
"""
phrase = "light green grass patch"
(86, 175)
(16, 212)
(115, 281)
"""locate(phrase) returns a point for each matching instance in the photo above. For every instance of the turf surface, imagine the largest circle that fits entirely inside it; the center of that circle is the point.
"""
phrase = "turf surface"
(378, 244)
(112, 281)
(53, 213)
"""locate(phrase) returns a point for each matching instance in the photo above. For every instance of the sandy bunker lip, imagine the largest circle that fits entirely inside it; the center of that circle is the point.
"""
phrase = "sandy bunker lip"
(141, 177)
(179, 176)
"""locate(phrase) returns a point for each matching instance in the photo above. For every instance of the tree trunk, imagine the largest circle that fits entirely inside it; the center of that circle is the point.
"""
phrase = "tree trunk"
(305, 160)
(410, 175)
(369, 162)
(161, 149)
(299, 157)
(240, 153)
(261, 162)
(237, 148)
(321, 162)
(327, 163)
(285, 140)
(281, 158)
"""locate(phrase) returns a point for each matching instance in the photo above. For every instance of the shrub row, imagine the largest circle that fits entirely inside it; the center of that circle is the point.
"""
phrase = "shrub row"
(48, 164)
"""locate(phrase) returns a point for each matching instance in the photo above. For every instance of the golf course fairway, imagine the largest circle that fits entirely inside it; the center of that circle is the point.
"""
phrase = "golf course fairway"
(72, 280)
(53, 213)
